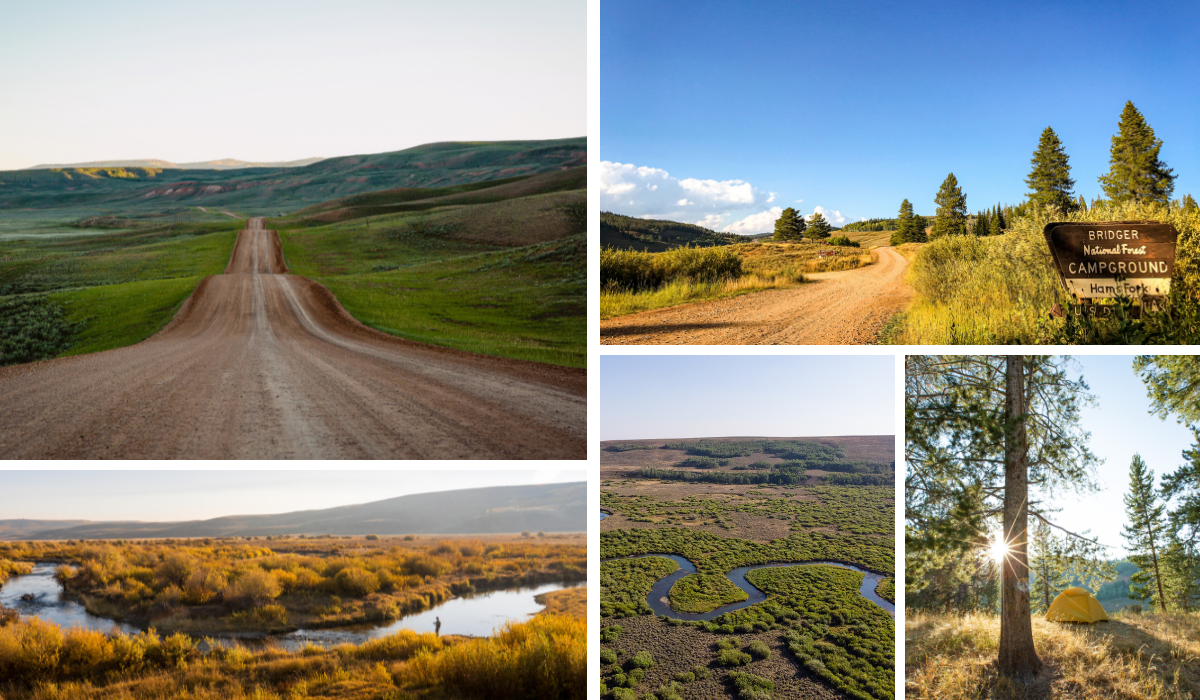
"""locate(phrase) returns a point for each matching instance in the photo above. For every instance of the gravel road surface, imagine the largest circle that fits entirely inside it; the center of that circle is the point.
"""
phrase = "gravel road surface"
(263, 364)
(836, 308)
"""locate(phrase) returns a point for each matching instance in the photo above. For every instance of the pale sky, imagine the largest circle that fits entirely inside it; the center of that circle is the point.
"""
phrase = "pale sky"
(1121, 425)
(264, 80)
(170, 495)
(674, 396)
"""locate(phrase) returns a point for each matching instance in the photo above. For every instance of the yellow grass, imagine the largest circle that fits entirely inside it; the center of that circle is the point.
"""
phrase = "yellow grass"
(568, 601)
(681, 292)
(764, 265)
(1136, 657)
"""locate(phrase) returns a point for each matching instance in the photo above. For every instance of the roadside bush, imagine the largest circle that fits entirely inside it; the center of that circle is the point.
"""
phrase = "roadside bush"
(635, 271)
(843, 241)
(1000, 289)
(32, 328)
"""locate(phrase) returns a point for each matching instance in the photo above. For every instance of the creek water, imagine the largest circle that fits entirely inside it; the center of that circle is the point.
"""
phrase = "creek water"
(657, 598)
(472, 614)
(604, 515)
(40, 595)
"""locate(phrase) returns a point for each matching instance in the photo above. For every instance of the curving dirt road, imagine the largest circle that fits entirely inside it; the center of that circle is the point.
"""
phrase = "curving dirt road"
(836, 308)
(262, 364)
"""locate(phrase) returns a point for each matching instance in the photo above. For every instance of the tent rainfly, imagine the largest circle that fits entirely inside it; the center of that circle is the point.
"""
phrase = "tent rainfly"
(1076, 605)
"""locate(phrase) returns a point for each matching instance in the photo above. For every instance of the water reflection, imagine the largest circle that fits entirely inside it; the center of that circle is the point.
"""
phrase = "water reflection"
(40, 595)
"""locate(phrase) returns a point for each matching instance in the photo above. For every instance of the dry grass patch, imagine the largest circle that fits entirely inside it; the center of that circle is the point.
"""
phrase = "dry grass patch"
(1151, 657)
(568, 601)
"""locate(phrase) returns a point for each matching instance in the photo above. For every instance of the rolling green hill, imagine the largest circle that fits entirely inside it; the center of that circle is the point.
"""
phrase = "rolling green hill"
(656, 235)
(263, 191)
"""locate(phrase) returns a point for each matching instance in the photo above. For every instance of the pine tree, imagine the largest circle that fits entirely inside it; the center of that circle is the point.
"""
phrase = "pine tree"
(951, 209)
(1145, 532)
(789, 226)
(995, 223)
(1135, 171)
(1081, 204)
(982, 225)
(818, 227)
(918, 229)
(1050, 180)
(1189, 204)
(905, 229)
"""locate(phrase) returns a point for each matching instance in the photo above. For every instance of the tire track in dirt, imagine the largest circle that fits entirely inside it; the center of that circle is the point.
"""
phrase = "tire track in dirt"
(259, 363)
(835, 308)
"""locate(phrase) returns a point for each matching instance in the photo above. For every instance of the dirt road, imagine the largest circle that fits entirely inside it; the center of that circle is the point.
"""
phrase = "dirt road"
(836, 308)
(262, 364)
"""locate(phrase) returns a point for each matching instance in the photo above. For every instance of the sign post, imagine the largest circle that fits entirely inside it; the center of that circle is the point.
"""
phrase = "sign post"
(1108, 259)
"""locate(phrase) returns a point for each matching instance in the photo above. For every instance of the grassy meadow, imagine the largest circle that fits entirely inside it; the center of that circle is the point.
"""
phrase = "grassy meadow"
(1147, 656)
(1000, 289)
(183, 590)
(633, 281)
(464, 268)
(66, 295)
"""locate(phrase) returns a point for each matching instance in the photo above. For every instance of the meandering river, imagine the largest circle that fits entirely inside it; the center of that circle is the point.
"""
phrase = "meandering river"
(658, 601)
(40, 595)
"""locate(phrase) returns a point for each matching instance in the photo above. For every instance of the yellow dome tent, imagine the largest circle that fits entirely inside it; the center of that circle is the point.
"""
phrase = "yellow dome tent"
(1076, 605)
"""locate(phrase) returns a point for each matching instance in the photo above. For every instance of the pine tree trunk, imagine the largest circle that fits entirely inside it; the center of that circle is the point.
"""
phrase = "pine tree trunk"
(1017, 659)
(1162, 602)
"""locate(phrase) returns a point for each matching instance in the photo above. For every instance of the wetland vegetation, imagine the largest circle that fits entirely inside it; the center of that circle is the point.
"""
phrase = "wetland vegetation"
(813, 624)
(185, 591)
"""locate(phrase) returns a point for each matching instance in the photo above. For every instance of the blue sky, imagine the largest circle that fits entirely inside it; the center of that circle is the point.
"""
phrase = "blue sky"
(855, 106)
(1121, 425)
(681, 396)
(271, 80)
(169, 495)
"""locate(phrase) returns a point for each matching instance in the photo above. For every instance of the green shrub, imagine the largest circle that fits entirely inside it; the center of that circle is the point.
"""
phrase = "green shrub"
(610, 633)
(624, 694)
(608, 656)
(843, 241)
(729, 643)
(685, 677)
(758, 650)
(635, 676)
(669, 691)
(32, 328)
(733, 657)
(751, 687)
(642, 659)
(702, 463)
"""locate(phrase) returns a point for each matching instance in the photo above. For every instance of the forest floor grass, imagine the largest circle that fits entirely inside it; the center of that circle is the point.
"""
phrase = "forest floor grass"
(1147, 656)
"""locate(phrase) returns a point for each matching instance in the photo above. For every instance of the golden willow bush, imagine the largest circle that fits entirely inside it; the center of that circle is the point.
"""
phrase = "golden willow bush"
(1000, 289)
(542, 658)
(209, 586)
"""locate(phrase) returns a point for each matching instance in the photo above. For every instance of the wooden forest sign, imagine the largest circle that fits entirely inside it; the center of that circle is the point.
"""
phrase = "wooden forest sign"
(1106, 259)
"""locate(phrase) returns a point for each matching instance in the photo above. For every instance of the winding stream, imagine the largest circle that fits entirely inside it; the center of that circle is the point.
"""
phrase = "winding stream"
(658, 601)
(40, 595)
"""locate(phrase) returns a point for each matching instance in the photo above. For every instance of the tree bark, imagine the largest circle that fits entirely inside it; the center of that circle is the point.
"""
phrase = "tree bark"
(1162, 601)
(1017, 658)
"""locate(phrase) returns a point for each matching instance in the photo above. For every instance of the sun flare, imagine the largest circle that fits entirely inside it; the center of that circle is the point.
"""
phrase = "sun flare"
(999, 548)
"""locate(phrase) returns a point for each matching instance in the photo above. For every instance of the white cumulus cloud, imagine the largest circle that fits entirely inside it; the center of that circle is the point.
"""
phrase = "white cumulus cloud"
(653, 193)
(834, 217)
(762, 222)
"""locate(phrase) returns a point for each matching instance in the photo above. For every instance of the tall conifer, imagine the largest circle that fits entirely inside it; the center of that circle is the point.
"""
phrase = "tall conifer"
(1135, 170)
(905, 229)
(1145, 532)
(789, 226)
(1050, 179)
(951, 209)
